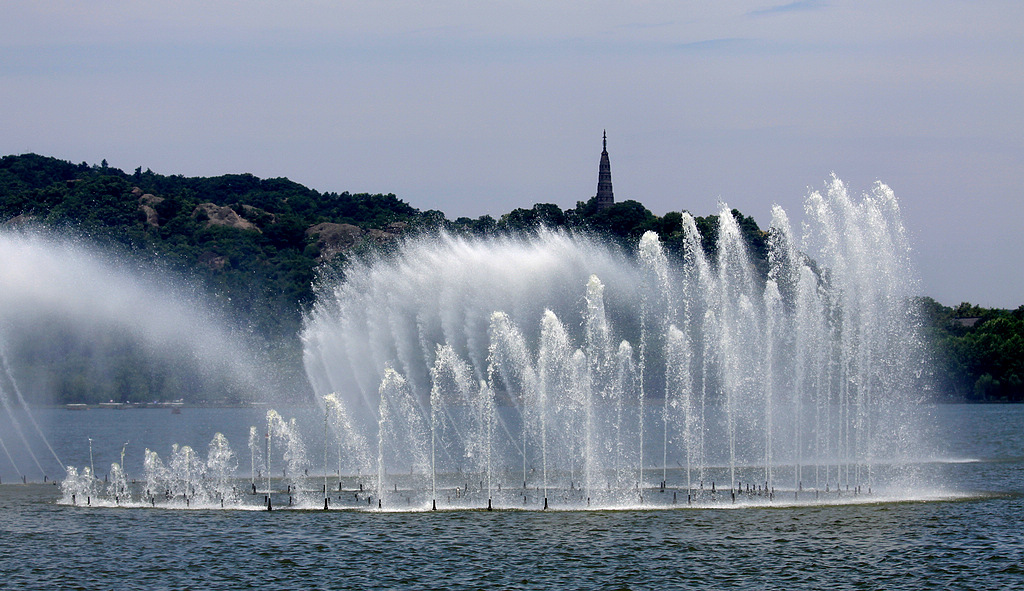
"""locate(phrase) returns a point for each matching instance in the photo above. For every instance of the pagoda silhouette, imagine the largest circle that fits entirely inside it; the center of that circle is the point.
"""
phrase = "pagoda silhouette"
(605, 197)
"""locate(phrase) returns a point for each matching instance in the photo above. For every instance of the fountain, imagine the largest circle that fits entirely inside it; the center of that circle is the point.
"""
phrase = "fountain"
(606, 376)
(557, 372)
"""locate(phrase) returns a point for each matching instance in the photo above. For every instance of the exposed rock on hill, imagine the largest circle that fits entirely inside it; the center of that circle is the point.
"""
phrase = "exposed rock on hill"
(333, 239)
(255, 213)
(217, 215)
(148, 203)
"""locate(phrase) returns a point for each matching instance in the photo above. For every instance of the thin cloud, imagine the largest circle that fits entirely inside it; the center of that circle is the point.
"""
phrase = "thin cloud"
(644, 26)
(728, 43)
(798, 6)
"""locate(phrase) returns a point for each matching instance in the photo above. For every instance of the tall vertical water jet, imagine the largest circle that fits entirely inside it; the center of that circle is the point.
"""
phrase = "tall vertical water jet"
(456, 422)
(510, 369)
(402, 433)
(255, 457)
(221, 464)
(554, 377)
(353, 451)
(598, 334)
(786, 337)
(603, 391)
(739, 336)
(679, 404)
(698, 292)
(484, 408)
(623, 435)
(658, 313)
(775, 337)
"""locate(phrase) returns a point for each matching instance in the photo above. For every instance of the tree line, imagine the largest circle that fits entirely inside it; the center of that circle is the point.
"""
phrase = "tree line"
(979, 352)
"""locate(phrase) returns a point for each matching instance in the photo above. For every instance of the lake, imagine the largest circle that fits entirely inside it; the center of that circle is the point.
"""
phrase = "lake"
(970, 539)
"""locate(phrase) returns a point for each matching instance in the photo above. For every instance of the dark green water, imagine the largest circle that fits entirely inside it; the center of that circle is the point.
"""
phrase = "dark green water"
(972, 542)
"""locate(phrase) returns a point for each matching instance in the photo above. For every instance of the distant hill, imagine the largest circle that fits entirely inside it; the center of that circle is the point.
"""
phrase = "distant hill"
(256, 244)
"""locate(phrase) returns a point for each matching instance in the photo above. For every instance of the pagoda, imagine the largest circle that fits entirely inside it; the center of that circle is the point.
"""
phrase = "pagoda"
(605, 197)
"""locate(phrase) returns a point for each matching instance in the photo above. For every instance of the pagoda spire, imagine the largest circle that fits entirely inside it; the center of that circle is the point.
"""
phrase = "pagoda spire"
(605, 197)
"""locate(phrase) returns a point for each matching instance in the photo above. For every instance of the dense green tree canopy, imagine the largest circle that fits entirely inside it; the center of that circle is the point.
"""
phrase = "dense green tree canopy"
(979, 352)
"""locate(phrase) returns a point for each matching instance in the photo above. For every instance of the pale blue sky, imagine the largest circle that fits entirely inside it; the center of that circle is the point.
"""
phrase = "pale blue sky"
(480, 107)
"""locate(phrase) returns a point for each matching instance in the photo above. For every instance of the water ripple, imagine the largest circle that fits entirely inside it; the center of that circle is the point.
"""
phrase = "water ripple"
(898, 546)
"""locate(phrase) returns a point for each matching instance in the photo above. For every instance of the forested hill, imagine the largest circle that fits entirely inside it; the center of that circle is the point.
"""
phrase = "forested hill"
(256, 242)
(255, 245)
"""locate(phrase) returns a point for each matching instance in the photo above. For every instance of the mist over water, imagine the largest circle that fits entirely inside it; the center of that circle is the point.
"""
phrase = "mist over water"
(394, 310)
(65, 301)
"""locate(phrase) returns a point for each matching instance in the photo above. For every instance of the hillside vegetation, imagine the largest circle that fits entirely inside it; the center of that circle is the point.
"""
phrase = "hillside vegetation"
(255, 246)
(979, 352)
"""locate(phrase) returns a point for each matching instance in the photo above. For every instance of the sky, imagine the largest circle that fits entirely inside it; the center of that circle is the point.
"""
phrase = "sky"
(477, 108)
